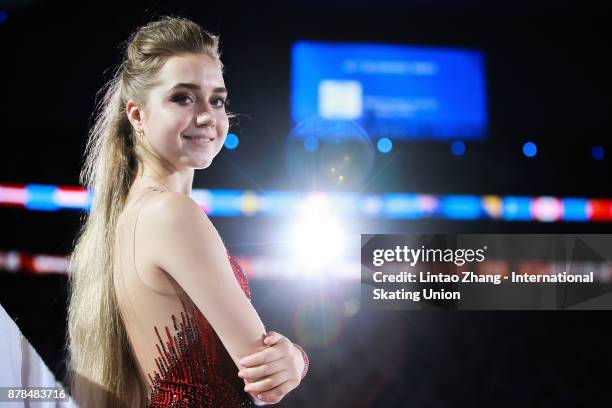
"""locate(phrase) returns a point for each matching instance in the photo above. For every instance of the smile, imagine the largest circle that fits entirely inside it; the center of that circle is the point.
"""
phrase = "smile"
(199, 138)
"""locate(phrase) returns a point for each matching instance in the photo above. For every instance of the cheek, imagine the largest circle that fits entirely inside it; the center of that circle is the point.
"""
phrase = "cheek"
(172, 118)
(222, 131)
(222, 128)
(177, 120)
(168, 124)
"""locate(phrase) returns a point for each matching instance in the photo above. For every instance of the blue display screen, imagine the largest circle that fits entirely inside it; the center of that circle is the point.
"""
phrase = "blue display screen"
(394, 91)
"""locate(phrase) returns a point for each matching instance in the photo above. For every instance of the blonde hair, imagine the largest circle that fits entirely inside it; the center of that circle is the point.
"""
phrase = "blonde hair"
(102, 370)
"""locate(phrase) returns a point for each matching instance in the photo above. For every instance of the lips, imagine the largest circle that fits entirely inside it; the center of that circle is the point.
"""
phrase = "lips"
(199, 138)
(199, 142)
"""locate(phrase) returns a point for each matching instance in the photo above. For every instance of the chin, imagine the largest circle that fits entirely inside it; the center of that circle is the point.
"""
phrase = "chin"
(203, 164)
(196, 162)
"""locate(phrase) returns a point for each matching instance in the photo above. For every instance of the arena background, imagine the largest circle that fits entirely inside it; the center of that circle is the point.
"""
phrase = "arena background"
(547, 76)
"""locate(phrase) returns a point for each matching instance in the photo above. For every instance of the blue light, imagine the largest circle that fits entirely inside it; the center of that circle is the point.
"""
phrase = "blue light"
(401, 205)
(597, 152)
(461, 207)
(458, 148)
(530, 149)
(231, 141)
(311, 143)
(575, 209)
(517, 208)
(3, 16)
(384, 145)
(226, 203)
(41, 197)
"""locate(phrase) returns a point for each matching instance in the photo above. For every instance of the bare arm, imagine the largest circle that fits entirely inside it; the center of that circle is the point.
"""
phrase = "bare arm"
(186, 245)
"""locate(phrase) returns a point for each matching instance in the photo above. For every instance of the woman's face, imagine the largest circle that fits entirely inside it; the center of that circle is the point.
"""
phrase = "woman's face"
(184, 119)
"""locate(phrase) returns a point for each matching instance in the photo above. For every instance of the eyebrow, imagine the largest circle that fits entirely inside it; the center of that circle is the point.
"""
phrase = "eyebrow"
(196, 87)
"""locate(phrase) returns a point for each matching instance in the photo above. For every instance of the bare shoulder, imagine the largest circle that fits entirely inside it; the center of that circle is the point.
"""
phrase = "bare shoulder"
(168, 208)
(174, 224)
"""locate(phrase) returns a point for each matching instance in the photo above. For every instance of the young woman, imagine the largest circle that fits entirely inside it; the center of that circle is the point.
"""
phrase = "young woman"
(160, 314)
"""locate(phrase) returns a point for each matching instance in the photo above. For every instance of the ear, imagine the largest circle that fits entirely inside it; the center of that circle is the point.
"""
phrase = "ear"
(135, 115)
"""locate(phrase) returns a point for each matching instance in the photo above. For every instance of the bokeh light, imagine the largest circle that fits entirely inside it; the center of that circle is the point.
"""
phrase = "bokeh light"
(458, 148)
(530, 149)
(597, 152)
(232, 141)
(311, 143)
(384, 145)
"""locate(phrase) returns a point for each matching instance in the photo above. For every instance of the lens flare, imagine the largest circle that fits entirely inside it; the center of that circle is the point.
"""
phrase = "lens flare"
(329, 154)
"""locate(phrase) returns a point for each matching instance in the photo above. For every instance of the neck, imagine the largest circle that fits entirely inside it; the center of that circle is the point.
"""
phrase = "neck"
(176, 181)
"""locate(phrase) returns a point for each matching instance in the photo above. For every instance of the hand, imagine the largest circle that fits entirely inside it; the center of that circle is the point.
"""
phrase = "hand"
(273, 372)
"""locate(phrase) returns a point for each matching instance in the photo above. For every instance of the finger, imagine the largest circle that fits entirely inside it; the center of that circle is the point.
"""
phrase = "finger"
(272, 338)
(264, 356)
(268, 383)
(255, 373)
(276, 394)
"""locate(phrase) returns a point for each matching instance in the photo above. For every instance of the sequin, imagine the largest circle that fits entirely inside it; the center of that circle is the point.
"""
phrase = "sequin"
(193, 367)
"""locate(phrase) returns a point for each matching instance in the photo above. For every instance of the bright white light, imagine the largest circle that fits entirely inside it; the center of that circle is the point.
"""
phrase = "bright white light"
(340, 99)
(317, 238)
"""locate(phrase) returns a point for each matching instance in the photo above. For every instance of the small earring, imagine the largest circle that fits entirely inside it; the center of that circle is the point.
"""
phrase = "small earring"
(140, 133)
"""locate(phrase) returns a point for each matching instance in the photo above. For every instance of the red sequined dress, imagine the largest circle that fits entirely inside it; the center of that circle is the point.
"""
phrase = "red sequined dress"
(194, 368)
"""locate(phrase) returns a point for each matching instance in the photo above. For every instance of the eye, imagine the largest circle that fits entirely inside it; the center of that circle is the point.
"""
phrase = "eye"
(220, 102)
(181, 99)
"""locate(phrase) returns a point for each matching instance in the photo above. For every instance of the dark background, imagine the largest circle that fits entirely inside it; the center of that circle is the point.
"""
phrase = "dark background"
(548, 81)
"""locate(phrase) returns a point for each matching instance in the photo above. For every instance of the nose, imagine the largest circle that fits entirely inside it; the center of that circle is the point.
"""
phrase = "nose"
(206, 119)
